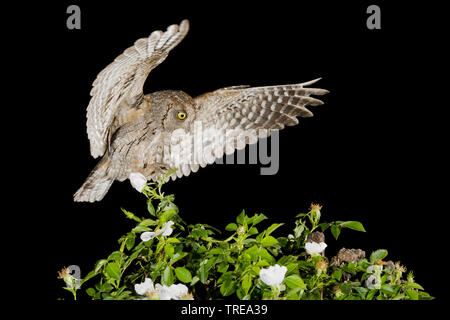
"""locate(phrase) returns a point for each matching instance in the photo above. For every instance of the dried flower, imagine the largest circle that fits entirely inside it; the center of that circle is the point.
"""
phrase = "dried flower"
(63, 273)
(380, 262)
(315, 210)
(400, 267)
(69, 279)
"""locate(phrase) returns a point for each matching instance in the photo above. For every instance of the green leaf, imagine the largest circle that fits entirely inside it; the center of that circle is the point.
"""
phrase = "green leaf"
(413, 285)
(106, 287)
(269, 241)
(231, 227)
(228, 287)
(91, 274)
(246, 283)
(354, 225)
(413, 295)
(215, 251)
(223, 267)
(169, 250)
(387, 289)
(346, 288)
(362, 291)
(90, 292)
(252, 231)
(99, 264)
(295, 281)
(167, 277)
(151, 208)
(258, 218)
(130, 241)
(113, 270)
(183, 274)
(337, 274)
(241, 217)
(371, 294)
(273, 227)
(177, 256)
(265, 255)
(202, 273)
(116, 255)
(130, 215)
(194, 281)
(379, 254)
(138, 229)
(335, 231)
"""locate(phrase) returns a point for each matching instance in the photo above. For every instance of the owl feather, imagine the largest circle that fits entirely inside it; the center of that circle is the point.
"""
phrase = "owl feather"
(134, 133)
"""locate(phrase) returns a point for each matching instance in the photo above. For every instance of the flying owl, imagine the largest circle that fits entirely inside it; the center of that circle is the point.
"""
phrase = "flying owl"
(157, 132)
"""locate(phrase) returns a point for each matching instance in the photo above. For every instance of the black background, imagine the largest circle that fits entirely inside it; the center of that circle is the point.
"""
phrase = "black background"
(368, 154)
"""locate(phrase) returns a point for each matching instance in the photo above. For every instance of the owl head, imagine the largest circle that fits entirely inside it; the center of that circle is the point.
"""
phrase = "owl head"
(176, 109)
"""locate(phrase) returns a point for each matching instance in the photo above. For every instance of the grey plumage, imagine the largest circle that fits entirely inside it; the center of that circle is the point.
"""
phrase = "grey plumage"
(136, 132)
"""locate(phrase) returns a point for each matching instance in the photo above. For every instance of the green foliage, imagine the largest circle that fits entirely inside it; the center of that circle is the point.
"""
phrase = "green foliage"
(215, 265)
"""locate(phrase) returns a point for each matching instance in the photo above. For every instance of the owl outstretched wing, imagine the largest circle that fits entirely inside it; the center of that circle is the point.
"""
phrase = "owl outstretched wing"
(232, 117)
(123, 81)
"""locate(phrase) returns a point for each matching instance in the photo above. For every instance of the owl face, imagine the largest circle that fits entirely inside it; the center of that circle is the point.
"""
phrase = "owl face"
(180, 112)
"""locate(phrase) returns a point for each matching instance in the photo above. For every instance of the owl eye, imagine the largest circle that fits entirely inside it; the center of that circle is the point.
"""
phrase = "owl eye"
(181, 115)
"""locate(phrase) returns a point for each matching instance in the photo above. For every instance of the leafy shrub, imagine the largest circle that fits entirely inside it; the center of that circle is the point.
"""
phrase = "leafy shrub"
(191, 262)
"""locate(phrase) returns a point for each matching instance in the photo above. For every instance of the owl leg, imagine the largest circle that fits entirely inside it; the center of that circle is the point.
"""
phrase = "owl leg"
(96, 185)
(156, 170)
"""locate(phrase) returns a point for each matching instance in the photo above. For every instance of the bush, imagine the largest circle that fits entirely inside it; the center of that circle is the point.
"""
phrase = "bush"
(190, 262)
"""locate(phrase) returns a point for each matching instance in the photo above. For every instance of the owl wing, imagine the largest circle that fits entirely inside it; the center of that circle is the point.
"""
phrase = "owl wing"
(123, 81)
(235, 116)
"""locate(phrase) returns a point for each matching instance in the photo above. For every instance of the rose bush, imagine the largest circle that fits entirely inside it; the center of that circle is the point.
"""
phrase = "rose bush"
(162, 258)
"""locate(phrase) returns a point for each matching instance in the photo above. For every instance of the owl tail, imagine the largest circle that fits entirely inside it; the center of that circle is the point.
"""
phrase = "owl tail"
(96, 185)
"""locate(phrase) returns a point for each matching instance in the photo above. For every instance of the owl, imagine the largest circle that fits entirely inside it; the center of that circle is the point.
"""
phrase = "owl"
(153, 133)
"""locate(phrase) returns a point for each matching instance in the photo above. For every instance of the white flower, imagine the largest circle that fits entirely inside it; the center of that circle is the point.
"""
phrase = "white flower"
(314, 247)
(137, 180)
(147, 235)
(179, 290)
(162, 292)
(175, 291)
(144, 287)
(273, 275)
(166, 230)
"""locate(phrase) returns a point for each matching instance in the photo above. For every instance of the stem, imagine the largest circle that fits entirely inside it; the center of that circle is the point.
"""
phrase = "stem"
(275, 292)
(74, 292)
